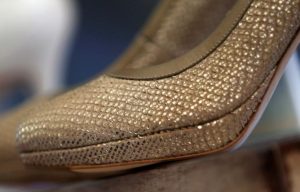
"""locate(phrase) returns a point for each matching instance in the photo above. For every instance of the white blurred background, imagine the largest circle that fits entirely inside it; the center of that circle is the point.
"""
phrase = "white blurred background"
(34, 40)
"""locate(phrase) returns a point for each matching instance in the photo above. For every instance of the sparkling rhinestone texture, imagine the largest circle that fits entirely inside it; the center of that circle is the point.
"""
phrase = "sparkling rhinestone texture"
(205, 107)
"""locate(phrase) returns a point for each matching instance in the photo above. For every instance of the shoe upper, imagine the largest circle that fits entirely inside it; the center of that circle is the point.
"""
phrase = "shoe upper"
(110, 109)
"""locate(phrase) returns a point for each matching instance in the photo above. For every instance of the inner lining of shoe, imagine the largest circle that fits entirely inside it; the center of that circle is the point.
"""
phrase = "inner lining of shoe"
(164, 49)
(184, 25)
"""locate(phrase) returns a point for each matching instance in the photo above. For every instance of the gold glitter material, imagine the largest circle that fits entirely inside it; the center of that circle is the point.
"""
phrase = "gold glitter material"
(12, 170)
(112, 120)
(177, 142)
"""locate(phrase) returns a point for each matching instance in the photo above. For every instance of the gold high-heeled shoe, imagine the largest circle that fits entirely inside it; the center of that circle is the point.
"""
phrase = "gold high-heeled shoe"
(141, 52)
(202, 101)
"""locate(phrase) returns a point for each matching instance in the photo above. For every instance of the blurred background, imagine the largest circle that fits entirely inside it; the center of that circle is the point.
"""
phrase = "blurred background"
(50, 45)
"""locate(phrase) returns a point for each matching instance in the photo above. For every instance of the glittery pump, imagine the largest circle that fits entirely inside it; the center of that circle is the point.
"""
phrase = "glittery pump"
(198, 85)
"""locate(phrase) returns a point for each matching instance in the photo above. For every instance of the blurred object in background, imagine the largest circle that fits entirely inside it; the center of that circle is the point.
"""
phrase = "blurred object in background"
(105, 30)
(34, 39)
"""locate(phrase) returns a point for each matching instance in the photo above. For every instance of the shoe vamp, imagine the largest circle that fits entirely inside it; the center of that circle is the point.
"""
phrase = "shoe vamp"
(109, 109)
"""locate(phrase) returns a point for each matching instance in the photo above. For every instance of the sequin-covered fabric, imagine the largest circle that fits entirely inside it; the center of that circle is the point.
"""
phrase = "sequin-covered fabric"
(108, 111)
(166, 144)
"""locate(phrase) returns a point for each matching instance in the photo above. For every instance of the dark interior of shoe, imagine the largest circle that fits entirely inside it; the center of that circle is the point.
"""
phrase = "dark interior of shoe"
(183, 26)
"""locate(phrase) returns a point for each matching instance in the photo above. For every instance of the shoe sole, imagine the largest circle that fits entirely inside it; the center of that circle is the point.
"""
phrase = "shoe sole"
(187, 138)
